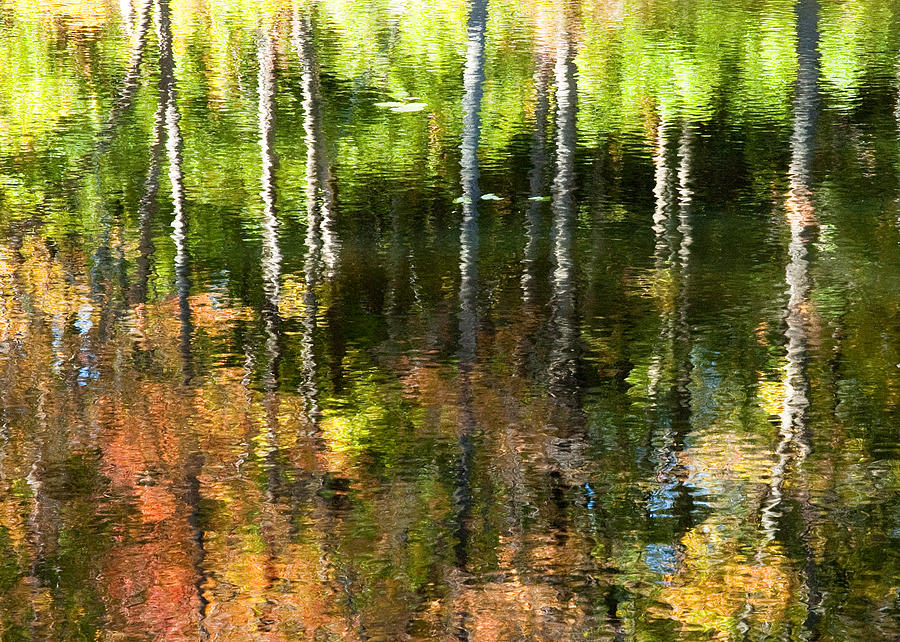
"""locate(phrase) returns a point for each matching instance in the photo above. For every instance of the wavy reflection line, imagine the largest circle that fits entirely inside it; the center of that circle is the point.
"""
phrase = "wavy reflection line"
(473, 91)
(130, 85)
(319, 181)
(801, 319)
(566, 443)
(314, 264)
(671, 365)
(473, 81)
(662, 192)
(322, 258)
(271, 252)
(174, 147)
(271, 268)
(682, 334)
(563, 360)
(536, 178)
(127, 9)
(794, 440)
(793, 431)
(147, 207)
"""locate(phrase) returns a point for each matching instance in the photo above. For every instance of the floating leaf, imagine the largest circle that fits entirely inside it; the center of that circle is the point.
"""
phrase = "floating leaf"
(491, 197)
(541, 199)
(409, 107)
(392, 105)
(462, 199)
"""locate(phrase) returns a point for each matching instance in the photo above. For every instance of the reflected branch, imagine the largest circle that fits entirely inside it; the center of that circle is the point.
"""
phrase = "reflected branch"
(129, 89)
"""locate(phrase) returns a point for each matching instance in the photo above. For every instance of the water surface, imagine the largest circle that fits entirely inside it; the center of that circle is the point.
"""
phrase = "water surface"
(478, 320)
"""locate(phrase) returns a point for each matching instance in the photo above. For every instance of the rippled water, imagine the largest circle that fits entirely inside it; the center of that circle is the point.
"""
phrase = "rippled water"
(495, 320)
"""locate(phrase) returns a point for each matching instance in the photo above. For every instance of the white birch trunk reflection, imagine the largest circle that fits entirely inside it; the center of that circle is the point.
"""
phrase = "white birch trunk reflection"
(271, 254)
(174, 146)
(322, 259)
(127, 10)
(567, 445)
(536, 179)
(321, 245)
(147, 206)
(794, 440)
(671, 365)
(274, 522)
(473, 81)
(662, 193)
(793, 432)
(320, 191)
(473, 90)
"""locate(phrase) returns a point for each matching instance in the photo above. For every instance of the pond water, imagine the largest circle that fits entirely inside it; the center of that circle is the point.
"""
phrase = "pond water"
(487, 320)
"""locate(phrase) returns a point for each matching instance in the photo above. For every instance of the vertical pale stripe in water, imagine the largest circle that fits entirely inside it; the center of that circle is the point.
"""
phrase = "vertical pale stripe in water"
(536, 176)
(670, 367)
(271, 252)
(793, 444)
(322, 257)
(682, 330)
(681, 333)
(562, 281)
(566, 445)
(473, 90)
(473, 80)
(313, 267)
(272, 522)
(662, 193)
(174, 147)
(318, 170)
(802, 220)
(801, 319)
(148, 205)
